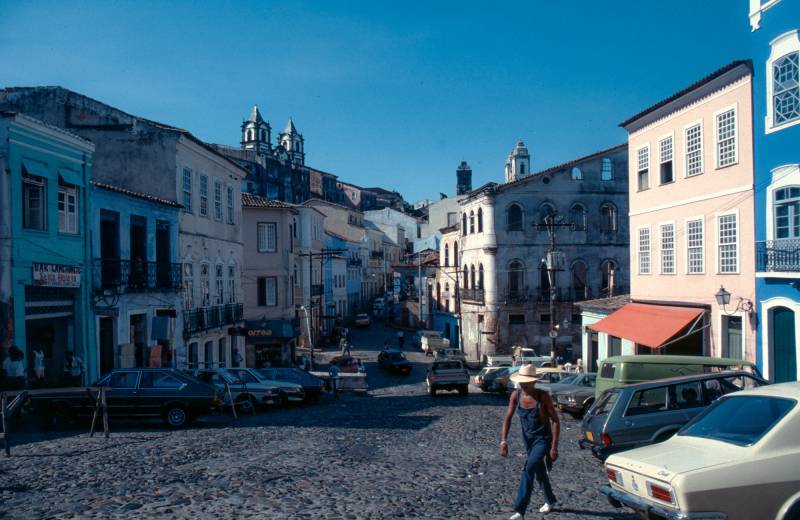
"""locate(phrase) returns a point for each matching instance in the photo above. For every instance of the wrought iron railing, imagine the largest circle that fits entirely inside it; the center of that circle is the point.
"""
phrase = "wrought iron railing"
(376, 254)
(196, 320)
(781, 255)
(354, 262)
(516, 297)
(136, 275)
(472, 295)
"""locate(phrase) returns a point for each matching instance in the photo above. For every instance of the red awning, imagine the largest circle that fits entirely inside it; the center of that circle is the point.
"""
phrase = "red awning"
(648, 325)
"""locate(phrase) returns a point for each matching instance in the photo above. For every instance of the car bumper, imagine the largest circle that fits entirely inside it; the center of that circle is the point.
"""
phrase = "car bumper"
(619, 498)
(601, 452)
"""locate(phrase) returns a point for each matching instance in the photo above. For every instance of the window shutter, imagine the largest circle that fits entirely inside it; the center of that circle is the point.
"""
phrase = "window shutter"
(262, 292)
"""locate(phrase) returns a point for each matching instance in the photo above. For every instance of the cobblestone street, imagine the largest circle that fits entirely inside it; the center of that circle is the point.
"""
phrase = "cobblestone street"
(394, 452)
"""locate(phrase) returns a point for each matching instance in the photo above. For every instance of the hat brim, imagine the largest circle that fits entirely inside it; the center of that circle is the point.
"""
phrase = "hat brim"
(519, 378)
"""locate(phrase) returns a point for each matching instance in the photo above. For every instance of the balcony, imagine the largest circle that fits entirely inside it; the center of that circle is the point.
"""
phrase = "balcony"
(354, 262)
(516, 298)
(472, 295)
(136, 276)
(376, 255)
(197, 320)
(778, 256)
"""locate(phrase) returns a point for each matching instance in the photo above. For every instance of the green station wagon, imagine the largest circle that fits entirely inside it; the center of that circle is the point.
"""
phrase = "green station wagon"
(625, 370)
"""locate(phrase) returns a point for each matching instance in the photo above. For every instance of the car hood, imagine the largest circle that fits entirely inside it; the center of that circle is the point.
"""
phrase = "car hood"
(677, 455)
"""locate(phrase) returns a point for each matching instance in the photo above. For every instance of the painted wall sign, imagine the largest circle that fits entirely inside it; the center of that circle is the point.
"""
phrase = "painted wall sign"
(56, 275)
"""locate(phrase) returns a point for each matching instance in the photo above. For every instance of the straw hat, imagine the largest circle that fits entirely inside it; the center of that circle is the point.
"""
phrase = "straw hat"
(526, 374)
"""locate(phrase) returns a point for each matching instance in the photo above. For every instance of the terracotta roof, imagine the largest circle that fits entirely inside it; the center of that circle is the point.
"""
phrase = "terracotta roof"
(708, 79)
(605, 304)
(255, 201)
(136, 194)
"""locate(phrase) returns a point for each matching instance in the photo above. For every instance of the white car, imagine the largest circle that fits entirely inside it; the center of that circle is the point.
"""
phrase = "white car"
(451, 353)
(288, 392)
(738, 460)
(362, 320)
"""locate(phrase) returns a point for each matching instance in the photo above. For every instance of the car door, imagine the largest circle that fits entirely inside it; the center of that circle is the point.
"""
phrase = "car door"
(121, 392)
(648, 410)
(156, 388)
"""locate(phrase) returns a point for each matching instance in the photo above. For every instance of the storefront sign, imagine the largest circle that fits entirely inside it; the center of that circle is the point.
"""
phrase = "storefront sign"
(55, 275)
(259, 333)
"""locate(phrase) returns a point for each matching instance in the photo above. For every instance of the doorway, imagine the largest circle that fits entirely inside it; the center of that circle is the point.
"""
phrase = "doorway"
(106, 337)
(784, 345)
(138, 237)
(109, 249)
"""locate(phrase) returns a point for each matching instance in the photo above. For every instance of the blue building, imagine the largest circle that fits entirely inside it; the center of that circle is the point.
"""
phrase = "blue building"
(776, 94)
(45, 282)
(136, 278)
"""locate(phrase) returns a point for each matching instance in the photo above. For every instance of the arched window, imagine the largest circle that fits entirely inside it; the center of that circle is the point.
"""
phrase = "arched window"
(577, 215)
(579, 285)
(787, 212)
(608, 285)
(465, 274)
(262, 136)
(455, 254)
(471, 222)
(514, 218)
(251, 134)
(472, 277)
(544, 282)
(545, 210)
(480, 276)
(608, 217)
(577, 174)
(447, 296)
(607, 172)
(464, 224)
(447, 255)
(480, 220)
(516, 278)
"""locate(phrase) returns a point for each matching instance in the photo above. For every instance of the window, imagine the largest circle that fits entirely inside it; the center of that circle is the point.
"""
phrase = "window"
(471, 222)
(160, 381)
(447, 255)
(455, 254)
(188, 286)
(607, 170)
(514, 218)
(643, 167)
(219, 283)
(786, 88)
(464, 224)
(67, 209)
(204, 195)
(688, 395)
(222, 352)
(516, 319)
(267, 291)
(665, 153)
(614, 346)
(472, 277)
(695, 257)
(187, 189)
(515, 277)
(787, 212)
(267, 237)
(732, 337)
(34, 197)
(578, 216)
(218, 200)
(231, 214)
(694, 150)
(204, 286)
(231, 284)
(546, 210)
(608, 217)
(480, 220)
(728, 244)
(192, 361)
(644, 250)
(667, 249)
(577, 174)
(608, 270)
(122, 380)
(522, 169)
(480, 276)
(726, 138)
(648, 401)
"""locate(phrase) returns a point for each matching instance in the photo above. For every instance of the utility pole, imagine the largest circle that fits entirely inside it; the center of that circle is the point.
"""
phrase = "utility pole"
(554, 263)
(323, 255)
(458, 307)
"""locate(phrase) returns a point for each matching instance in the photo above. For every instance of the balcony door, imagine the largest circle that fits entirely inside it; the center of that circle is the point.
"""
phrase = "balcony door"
(163, 254)
(138, 236)
(109, 248)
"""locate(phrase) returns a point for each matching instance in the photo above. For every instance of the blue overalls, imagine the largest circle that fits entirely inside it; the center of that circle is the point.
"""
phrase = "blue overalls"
(537, 437)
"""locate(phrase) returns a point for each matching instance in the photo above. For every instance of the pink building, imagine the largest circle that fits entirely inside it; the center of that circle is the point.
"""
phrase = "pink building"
(691, 223)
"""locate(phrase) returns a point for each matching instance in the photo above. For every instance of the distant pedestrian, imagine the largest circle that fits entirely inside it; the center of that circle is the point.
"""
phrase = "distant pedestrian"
(333, 374)
(38, 366)
(14, 369)
(73, 369)
(401, 338)
(579, 365)
(236, 357)
(386, 345)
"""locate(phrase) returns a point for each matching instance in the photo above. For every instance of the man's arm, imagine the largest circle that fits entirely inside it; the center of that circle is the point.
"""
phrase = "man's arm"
(512, 402)
(553, 414)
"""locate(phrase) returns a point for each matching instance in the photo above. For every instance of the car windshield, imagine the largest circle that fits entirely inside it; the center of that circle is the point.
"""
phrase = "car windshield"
(740, 420)
(569, 380)
(447, 365)
(245, 376)
(605, 403)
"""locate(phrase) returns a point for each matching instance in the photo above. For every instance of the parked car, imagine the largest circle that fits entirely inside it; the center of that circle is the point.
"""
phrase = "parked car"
(624, 370)
(175, 397)
(288, 392)
(347, 364)
(394, 361)
(480, 378)
(550, 376)
(449, 374)
(645, 413)
(246, 396)
(497, 381)
(416, 339)
(738, 460)
(451, 353)
(362, 320)
(577, 398)
(312, 385)
(570, 381)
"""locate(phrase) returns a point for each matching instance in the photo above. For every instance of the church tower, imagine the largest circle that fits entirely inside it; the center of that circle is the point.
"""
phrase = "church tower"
(463, 178)
(256, 133)
(518, 164)
(292, 141)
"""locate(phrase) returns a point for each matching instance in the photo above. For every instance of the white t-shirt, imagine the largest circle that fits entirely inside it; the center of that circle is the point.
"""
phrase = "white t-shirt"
(14, 368)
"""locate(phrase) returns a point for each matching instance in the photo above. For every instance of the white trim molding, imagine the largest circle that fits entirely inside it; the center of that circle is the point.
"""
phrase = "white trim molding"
(766, 328)
(757, 8)
(782, 176)
(784, 44)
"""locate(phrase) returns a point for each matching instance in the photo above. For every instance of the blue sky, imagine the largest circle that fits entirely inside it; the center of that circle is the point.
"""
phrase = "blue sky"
(394, 94)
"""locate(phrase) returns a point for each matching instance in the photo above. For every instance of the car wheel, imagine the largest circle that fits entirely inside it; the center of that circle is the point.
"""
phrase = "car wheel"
(176, 416)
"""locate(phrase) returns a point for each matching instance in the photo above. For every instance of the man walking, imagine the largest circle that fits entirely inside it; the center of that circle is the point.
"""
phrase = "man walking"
(73, 369)
(333, 374)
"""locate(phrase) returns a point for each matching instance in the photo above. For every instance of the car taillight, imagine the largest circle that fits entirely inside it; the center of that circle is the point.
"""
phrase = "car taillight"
(612, 475)
(659, 493)
(605, 439)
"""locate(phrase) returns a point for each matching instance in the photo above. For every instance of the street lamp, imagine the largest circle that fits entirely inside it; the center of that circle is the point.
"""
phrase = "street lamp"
(723, 298)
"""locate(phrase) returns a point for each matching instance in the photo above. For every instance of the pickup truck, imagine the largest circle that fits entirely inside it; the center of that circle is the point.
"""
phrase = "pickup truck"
(448, 375)
(430, 344)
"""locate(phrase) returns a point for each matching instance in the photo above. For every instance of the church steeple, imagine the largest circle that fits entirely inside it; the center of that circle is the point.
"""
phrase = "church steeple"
(292, 141)
(518, 164)
(256, 133)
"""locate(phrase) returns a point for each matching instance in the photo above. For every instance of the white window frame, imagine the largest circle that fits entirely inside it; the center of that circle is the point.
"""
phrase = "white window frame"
(686, 173)
(40, 184)
(717, 114)
(639, 251)
(205, 285)
(219, 284)
(263, 237)
(217, 200)
(610, 162)
(203, 196)
(187, 190)
(784, 44)
(231, 205)
(231, 284)
(68, 220)
(662, 139)
(662, 249)
(702, 220)
(783, 176)
(738, 243)
(273, 295)
(639, 168)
